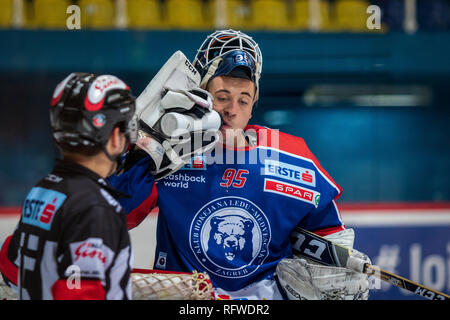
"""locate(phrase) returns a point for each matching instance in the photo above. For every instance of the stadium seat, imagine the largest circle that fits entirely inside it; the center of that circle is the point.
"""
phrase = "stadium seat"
(144, 14)
(269, 14)
(185, 14)
(50, 13)
(97, 14)
(301, 15)
(6, 13)
(237, 15)
(351, 15)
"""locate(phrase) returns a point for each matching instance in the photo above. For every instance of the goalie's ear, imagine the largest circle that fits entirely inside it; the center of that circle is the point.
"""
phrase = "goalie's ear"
(115, 139)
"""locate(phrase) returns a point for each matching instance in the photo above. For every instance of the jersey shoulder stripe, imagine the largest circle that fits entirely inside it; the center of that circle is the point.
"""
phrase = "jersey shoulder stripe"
(291, 145)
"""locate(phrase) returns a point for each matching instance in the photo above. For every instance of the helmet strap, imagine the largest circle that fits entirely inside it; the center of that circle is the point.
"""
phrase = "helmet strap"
(118, 159)
(211, 70)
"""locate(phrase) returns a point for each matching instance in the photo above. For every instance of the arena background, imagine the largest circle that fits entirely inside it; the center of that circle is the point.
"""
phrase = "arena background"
(372, 102)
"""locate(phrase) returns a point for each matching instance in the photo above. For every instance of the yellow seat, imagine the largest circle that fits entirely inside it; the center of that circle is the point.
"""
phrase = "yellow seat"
(351, 15)
(236, 15)
(185, 14)
(6, 13)
(270, 14)
(301, 15)
(144, 14)
(97, 14)
(50, 13)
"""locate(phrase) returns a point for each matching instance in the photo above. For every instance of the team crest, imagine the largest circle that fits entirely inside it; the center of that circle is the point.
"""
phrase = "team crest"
(230, 237)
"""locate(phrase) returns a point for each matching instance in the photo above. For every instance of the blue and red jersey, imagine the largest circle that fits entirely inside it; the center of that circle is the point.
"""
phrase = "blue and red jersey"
(229, 212)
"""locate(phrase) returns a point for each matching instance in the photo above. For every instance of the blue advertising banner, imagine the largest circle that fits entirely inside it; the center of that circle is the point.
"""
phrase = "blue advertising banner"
(411, 243)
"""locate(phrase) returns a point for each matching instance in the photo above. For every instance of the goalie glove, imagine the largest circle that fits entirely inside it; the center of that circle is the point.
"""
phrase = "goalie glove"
(323, 279)
(176, 117)
(303, 279)
(165, 159)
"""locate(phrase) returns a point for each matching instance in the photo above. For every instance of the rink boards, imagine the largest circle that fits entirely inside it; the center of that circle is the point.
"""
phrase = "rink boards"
(411, 240)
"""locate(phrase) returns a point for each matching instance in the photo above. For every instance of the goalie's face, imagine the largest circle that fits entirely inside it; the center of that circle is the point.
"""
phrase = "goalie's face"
(233, 100)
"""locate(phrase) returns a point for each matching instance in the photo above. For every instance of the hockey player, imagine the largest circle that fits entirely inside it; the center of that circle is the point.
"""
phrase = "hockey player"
(230, 211)
(72, 241)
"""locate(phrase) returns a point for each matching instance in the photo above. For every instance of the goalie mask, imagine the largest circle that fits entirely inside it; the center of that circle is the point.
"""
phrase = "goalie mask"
(85, 108)
(214, 57)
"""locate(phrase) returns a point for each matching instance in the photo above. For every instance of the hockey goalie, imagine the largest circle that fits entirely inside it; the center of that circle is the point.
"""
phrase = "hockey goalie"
(228, 206)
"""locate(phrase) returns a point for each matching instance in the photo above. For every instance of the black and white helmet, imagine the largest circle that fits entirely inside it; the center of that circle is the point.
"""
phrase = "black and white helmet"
(86, 107)
(217, 45)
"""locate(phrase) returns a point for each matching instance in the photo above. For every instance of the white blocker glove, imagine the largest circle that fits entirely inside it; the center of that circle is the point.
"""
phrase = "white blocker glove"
(304, 279)
(176, 117)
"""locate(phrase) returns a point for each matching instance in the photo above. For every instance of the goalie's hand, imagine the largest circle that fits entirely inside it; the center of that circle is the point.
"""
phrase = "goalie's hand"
(185, 100)
(185, 111)
(189, 127)
(176, 116)
(165, 159)
(175, 88)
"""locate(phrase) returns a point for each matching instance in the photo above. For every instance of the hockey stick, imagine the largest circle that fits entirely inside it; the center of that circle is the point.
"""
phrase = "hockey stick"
(329, 253)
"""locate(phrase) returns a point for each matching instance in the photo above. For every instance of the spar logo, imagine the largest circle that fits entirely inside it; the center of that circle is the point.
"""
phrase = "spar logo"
(292, 191)
(230, 237)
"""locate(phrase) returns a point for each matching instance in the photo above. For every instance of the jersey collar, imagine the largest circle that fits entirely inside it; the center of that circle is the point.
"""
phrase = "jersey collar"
(66, 166)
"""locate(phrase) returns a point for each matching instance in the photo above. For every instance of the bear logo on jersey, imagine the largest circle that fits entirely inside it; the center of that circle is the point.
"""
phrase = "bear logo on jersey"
(230, 237)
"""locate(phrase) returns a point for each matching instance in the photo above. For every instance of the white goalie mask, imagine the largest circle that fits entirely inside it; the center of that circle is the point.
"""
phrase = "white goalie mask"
(221, 42)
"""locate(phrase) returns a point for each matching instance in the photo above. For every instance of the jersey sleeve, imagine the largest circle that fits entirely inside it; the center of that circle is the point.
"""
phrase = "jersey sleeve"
(324, 219)
(139, 183)
(94, 257)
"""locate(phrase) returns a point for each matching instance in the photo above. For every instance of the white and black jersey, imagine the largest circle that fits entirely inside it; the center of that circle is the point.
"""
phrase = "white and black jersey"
(71, 241)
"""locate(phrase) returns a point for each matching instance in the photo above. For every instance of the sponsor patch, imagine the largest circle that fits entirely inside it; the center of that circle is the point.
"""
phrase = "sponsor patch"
(290, 172)
(162, 259)
(92, 256)
(196, 163)
(183, 180)
(53, 178)
(292, 191)
(40, 206)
